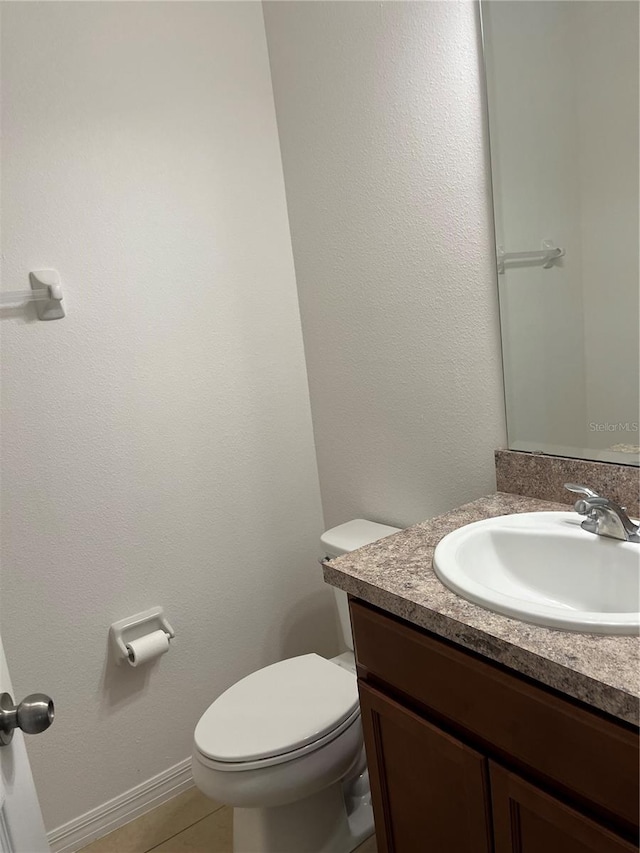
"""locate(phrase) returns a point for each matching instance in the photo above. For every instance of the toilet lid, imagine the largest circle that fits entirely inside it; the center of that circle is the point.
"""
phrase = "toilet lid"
(277, 709)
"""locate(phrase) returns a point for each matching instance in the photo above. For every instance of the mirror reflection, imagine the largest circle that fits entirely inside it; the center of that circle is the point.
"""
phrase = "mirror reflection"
(562, 81)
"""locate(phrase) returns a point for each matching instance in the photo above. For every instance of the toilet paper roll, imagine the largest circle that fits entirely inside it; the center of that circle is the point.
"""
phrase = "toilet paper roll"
(147, 648)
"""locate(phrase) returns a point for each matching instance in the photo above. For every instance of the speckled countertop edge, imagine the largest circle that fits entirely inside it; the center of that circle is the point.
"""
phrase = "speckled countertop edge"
(396, 574)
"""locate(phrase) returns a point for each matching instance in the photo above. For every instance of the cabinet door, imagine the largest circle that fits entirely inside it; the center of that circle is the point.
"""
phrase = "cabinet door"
(429, 791)
(527, 820)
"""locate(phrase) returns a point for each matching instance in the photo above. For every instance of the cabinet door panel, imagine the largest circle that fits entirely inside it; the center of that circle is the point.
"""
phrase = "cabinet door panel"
(527, 820)
(429, 790)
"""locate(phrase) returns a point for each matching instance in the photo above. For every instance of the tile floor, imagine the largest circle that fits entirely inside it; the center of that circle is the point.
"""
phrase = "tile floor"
(189, 823)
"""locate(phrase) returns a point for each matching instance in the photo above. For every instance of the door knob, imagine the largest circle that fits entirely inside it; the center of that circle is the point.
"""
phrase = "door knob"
(33, 715)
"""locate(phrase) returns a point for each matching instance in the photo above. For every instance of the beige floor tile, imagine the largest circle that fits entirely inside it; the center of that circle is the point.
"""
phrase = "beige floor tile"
(368, 846)
(156, 826)
(212, 834)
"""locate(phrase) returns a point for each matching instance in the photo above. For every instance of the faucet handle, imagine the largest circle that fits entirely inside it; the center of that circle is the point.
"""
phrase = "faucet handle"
(581, 490)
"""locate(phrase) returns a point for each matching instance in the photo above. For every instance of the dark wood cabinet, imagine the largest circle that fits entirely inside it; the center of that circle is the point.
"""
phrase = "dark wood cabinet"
(527, 820)
(468, 757)
(427, 784)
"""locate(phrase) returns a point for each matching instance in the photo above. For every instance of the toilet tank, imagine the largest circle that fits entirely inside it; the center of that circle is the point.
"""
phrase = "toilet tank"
(342, 539)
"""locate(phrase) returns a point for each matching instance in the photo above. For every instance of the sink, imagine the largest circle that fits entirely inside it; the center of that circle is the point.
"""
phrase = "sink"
(541, 567)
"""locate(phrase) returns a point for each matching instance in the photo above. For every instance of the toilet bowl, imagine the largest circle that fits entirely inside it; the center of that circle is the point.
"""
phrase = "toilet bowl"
(284, 745)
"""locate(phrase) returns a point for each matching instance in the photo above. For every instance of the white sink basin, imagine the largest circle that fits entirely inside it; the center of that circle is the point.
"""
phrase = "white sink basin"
(541, 567)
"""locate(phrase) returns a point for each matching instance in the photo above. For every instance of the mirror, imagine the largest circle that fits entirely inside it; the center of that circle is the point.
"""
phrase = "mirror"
(562, 84)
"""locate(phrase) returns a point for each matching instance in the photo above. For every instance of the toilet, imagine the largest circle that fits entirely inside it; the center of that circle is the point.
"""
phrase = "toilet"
(284, 745)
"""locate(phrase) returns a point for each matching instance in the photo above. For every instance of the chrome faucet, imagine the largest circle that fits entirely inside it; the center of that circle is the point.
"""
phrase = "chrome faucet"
(604, 517)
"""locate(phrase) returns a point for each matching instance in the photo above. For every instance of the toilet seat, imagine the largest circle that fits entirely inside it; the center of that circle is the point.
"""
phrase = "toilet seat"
(277, 714)
(273, 760)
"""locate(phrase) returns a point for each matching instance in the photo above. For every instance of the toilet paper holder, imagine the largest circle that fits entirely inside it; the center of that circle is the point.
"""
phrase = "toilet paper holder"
(133, 627)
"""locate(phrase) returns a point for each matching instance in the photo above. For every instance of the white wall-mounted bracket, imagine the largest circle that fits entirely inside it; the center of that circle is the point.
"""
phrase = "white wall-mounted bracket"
(545, 257)
(46, 293)
(133, 627)
(49, 305)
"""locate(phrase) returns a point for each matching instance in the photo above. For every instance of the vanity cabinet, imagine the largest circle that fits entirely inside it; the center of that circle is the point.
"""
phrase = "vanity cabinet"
(466, 756)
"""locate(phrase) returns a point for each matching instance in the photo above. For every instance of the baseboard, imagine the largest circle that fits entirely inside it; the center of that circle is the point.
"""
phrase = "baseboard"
(100, 821)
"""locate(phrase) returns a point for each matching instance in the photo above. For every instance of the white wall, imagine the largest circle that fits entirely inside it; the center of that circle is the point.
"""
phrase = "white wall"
(381, 127)
(156, 444)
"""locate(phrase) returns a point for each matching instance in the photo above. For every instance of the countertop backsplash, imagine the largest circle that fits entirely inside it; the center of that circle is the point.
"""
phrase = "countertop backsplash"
(536, 475)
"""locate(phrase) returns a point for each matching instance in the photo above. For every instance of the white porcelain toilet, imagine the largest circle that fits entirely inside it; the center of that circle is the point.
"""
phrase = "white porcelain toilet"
(284, 747)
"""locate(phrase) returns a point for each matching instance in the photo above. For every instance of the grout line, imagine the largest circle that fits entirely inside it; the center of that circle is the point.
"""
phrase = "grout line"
(184, 829)
(213, 811)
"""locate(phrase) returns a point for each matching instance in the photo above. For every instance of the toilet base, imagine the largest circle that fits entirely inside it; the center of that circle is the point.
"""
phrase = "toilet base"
(318, 824)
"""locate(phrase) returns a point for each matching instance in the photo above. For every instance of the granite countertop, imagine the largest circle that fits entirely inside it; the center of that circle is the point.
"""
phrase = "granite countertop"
(396, 575)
